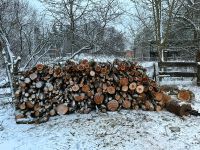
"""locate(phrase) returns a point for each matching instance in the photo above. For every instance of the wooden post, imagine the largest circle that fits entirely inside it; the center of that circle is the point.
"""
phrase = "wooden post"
(165, 55)
(154, 72)
(198, 67)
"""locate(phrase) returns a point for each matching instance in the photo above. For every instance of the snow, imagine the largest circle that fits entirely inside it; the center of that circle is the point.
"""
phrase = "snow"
(5, 91)
(127, 129)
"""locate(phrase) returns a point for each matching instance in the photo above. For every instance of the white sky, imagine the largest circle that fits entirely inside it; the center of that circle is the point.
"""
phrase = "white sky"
(122, 24)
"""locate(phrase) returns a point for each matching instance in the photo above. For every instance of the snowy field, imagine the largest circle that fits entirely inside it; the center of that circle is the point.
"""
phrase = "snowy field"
(127, 129)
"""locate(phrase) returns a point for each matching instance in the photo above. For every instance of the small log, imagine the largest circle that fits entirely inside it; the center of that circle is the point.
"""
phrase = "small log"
(17, 93)
(22, 106)
(92, 73)
(75, 88)
(49, 86)
(124, 88)
(86, 88)
(62, 109)
(149, 106)
(36, 107)
(140, 89)
(46, 78)
(111, 89)
(162, 98)
(19, 116)
(97, 68)
(33, 76)
(39, 67)
(90, 93)
(87, 110)
(22, 84)
(98, 98)
(126, 104)
(117, 97)
(57, 72)
(39, 84)
(99, 90)
(81, 67)
(52, 112)
(178, 108)
(112, 105)
(87, 65)
(104, 70)
(29, 104)
(27, 80)
(184, 95)
(158, 108)
(78, 97)
(123, 81)
(132, 86)
(122, 67)
(50, 70)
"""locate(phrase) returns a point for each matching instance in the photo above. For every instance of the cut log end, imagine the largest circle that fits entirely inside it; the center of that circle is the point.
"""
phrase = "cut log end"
(98, 98)
(75, 88)
(123, 81)
(86, 88)
(132, 86)
(111, 89)
(62, 109)
(184, 95)
(112, 105)
(39, 67)
(140, 89)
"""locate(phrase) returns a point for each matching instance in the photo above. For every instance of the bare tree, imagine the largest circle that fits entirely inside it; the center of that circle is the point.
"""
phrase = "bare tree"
(67, 13)
(82, 22)
(160, 15)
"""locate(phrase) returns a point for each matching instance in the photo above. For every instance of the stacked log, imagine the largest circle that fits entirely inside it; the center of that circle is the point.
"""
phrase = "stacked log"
(45, 91)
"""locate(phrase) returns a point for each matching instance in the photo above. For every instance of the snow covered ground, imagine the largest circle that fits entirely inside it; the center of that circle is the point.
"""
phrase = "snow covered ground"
(127, 129)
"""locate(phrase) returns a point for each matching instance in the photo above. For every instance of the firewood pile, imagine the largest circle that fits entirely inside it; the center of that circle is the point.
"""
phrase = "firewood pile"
(45, 91)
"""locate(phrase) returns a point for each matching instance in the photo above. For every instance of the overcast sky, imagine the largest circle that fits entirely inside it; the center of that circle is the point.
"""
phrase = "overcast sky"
(122, 24)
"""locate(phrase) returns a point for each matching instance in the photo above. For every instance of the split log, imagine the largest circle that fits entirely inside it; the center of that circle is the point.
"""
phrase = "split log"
(126, 104)
(29, 104)
(33, 76)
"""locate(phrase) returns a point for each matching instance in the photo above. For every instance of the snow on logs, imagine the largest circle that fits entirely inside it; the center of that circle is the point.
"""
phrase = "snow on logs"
(45, 91)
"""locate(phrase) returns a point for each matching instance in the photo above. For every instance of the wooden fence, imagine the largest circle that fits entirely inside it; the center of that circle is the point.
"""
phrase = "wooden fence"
(164, 66)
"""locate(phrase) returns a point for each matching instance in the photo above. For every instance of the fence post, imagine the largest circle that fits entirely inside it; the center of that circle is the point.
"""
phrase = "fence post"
(198, 67)
(154, 72)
